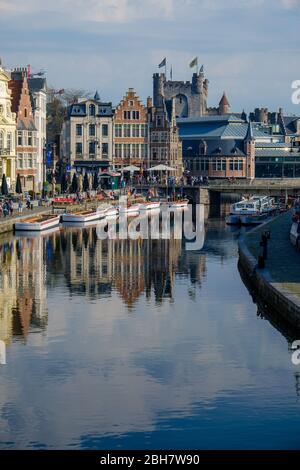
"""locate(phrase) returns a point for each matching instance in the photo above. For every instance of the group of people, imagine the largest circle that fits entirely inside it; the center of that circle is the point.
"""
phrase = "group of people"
(7, 206)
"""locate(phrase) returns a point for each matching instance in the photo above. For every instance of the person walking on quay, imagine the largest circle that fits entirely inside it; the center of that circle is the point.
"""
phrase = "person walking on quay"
(20, 206)
(28, 202)
(5, 209)
(10, 207)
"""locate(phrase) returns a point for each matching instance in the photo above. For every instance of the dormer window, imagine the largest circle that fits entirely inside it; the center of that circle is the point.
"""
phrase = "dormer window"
(92, 110)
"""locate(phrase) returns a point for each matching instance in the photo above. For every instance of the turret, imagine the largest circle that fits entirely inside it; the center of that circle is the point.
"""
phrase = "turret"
(224, 106)
(158, 89)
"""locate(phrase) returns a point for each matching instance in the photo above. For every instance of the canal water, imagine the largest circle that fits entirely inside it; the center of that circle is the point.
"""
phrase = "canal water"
(139, 344)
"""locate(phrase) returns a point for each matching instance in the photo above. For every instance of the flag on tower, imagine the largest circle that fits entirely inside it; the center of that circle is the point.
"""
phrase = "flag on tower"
(194, 62)
(163, 63)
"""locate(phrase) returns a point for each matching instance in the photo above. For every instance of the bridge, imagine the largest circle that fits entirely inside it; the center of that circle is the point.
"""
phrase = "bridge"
(210, 193)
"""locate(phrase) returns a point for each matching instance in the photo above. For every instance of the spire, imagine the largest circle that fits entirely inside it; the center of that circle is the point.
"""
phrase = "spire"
(249, 135)
(224, 101)
(97, 96)
(244, 115)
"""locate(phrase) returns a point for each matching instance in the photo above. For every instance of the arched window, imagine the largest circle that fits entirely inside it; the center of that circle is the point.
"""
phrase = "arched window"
(92, 110)
(25, 112)
(9, 140)
(202, 147)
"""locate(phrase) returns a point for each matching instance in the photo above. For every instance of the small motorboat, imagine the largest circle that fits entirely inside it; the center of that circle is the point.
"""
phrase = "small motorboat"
(111, 212)
(150, 205)
(129, 209)
(38, 223)
(179, 204)
(83, 216)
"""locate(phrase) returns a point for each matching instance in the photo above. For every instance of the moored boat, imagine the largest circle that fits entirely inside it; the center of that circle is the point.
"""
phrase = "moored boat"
(251, 211)
(38, 223)
(83, 216)
(111, 212)
(179, 204)
(129, 209)
(150, 205)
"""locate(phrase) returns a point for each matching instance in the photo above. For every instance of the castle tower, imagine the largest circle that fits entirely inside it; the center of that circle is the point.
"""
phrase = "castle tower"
(224, 106)
(158, 89)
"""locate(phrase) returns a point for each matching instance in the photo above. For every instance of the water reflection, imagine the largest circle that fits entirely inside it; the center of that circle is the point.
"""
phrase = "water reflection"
(138, 344)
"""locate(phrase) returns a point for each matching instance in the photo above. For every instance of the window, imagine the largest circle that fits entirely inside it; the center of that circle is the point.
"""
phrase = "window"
(20, 138)
(104, 148)
(144, 130)
(236, 165)
(92, 129)
(79, 129)
(20, 160)
(78, 148)
(127, 114)
(92, 110)
(126, 151)
(131, 103)
(92, 148)
(143, 151)
(158, 121)
(104, 130)
(1, 139)
(135, 150)
(30, 160)
(25, 112)
(135, 115)
(9, 140)
(154, 154)
(126, 130)
(30, 142)
(25, 160)
(118, 130)
(135, 130)
(118, 150)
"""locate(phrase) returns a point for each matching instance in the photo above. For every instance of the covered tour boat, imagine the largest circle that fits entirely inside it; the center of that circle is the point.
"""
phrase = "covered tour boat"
(38, 223)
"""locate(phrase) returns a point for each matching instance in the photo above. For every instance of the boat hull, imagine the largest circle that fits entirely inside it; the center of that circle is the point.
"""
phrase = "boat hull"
(179, 204)
(82, 218)
(130, 210)
(37, 226)
(150, 206)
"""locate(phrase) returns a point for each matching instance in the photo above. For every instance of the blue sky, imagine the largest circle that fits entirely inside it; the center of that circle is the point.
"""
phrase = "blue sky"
(248, 48)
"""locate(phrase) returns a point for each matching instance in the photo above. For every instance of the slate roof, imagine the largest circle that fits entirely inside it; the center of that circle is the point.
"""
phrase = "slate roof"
(79, 109)
(270, 145)
(21, 126)
(226, 147)
(290, 124)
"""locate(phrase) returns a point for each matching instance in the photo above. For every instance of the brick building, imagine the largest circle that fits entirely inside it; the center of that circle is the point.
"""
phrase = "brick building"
(131, 129)
(26, 148)
(165, 145)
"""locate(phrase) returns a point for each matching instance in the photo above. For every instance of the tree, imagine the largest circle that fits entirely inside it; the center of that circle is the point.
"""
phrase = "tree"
(4, 188)
(86, 183)
(18, 185)
(74, 184)
(95, 181)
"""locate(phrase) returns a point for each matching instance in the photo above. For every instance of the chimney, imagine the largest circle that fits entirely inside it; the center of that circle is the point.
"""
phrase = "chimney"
(149, 102)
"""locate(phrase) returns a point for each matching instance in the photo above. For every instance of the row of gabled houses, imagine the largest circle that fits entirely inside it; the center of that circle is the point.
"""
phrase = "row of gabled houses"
(22, 128)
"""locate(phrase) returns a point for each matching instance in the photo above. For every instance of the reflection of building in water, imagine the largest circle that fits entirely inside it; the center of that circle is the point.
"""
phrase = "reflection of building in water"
(95, 267)
(22, 286)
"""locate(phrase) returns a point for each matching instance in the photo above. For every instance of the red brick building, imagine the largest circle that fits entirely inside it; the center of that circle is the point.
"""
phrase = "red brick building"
(131, 131)
(26, 149)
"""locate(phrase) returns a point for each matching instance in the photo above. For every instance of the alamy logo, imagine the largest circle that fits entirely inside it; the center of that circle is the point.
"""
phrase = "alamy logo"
(296, 354)
(296, 93)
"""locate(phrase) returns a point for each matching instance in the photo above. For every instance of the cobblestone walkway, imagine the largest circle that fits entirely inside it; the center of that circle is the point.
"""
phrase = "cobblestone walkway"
(283, 261)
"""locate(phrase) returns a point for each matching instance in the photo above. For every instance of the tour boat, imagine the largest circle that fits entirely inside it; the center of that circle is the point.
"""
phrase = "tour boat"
(150, 205)
(131, 209)
(295, 234)
(250, 211)
(111, 212)
(38, 223)
(179, 204)
(84, 215)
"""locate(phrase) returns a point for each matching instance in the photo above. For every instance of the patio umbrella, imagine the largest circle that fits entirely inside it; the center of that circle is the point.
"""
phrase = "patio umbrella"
(86, 183)
(74, 185)
(4, 188)
(131, 168)
(95, 181)
(18, 185)
(161, 167)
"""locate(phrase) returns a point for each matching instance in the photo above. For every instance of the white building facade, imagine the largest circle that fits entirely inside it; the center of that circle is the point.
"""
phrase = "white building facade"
(86, 143)
(7, 132)
(38, 92)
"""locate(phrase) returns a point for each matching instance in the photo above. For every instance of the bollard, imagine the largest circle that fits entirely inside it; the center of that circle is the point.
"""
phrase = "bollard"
(265, 237)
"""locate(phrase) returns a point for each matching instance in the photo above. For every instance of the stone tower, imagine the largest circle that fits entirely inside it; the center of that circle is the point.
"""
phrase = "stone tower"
(190, 97)
(224, 106)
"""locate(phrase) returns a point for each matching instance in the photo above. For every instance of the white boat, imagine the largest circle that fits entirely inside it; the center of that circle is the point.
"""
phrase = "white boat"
(111, 213)
(295, 234)
(150, 206)
(134, 208)
(180, 203)
(38, 223)
(251, 211)
(38, 233)
(83, 216)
